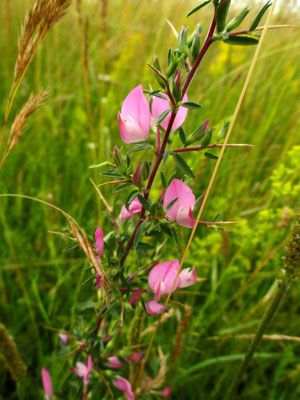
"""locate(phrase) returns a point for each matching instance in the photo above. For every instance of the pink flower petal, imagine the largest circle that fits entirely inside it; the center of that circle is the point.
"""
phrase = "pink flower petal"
(134, 120)
(187, 277)
(124, 385)
(114, 362)
(153, 307)
(162, 276)
(99, 243)
(47, 384)
(181, 211)
(160, 105)
(134, 208)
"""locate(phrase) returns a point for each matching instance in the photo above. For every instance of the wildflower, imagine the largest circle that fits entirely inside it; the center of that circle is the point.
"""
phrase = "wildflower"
(134, 119)
(99, 243)
(135, 357)
(134, 208)
(124, 385)
(83, 371)
(47, 384)
(181, 210)
(160, 105)
(114, 362)
(153, 307)
(163, 275)
(63, 338)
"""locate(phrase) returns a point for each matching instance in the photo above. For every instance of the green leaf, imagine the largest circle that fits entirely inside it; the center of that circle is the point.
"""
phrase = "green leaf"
(156, 93)
(174, 234)
(124, 186)
(163, 180)
(198, 8)
(222, 132)
(139, 233)
(139, 147)
(235, 22)
(206, 139)
(145, 203)
(221, 15)
(161, 117)
(132, 195)
(209, 155)
(259, 15)
(165, 156)
(171, 204)
(104, 164)
(111, 173)
(183, 166)
(241, 40)
(191, 105)
(182, 135)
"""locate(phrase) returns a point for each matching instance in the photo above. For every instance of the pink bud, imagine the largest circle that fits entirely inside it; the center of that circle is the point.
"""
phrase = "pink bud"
(166, 392)
(106, 338)
(177, 79)
(47, 384)
(137, 174)
(162, 276)
(134, 119)
(114, 362)
(136, 296)
(153, 307)
(134, 208)
(135, 357)
(124, 385)
(181, 211)
(99, 243)
(160, 105)
(63, 338)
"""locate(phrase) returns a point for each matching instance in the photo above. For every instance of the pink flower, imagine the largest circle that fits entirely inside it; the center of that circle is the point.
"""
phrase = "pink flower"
(162, 276)
(134, 208)
(166, 392)
(106, 338)
(124, 385)
(160, 105)
(47, 384)
(134, 119)
(63, 338)
(99, 241)
(153, 307)
(187, 277)
(181, 211)
(83, 371)
(114, 362)
(161, 280)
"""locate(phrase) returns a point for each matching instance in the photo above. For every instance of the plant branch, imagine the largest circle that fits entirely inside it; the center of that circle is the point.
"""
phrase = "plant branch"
(260, 28)
(211, 146)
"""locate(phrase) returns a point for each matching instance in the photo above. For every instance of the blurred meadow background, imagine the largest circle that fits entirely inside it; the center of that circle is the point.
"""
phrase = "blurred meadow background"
(89, 61)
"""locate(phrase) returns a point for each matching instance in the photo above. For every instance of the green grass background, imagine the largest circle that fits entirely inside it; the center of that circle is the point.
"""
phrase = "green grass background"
(41, 284)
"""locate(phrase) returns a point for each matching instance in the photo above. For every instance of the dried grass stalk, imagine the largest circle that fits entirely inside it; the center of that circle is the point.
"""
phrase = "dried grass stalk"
(17, 129)
(10, 355)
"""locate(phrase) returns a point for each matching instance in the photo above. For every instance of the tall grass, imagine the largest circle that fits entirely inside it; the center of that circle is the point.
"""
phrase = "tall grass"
(41, 283)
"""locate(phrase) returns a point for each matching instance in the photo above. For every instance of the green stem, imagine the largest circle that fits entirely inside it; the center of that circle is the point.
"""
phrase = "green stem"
(282, 289)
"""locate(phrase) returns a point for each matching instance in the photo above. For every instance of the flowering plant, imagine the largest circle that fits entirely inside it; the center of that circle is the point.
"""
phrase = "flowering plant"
(129, 269)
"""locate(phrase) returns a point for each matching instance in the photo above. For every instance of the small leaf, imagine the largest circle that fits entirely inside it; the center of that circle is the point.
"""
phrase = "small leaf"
(259, 15)
(161, 117)
(165, 156)
(174, 234)
(132, 195)
(145, 203)
(221, 15)
(139, 233)
(182, 164)
(104, 164)
(206, 139)
(191, 105)
(112, 173)
(198, 8)
(124, 186)
(163, 180)
(182, 135)
(241, 40)
(139, 147)
(171, 204)
(217, 217)
(209, 155)
(235, 22)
